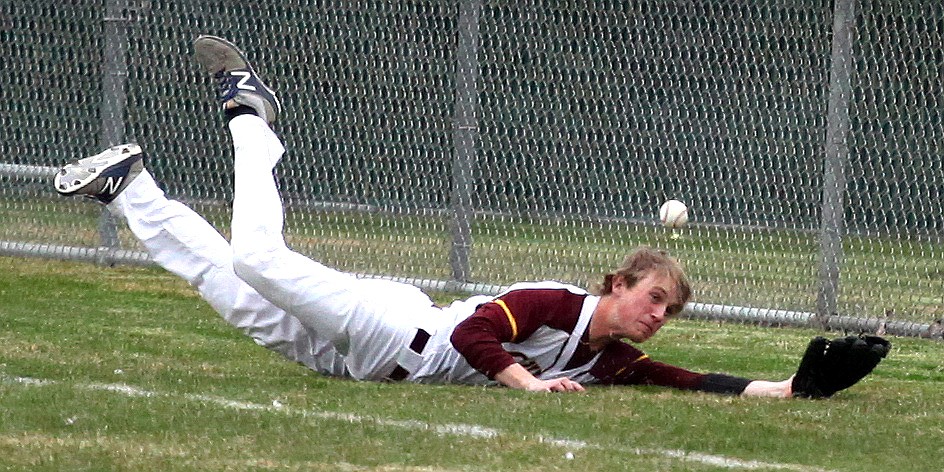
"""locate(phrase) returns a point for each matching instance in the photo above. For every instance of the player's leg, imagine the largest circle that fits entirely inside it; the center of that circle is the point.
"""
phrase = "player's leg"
(370, 332)
(185, 244)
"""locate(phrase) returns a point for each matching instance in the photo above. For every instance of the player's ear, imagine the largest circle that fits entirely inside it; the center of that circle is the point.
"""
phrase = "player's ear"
(619, 281)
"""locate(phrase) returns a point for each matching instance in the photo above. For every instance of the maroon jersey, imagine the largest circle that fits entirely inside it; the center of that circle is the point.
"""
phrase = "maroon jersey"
(545, 328)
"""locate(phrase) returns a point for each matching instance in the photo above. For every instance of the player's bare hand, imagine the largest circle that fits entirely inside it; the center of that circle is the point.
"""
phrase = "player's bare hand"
(516, 376)
(555, 385)
(765, 388)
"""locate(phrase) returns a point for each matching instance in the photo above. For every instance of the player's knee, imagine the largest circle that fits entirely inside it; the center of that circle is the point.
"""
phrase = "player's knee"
(248, 263)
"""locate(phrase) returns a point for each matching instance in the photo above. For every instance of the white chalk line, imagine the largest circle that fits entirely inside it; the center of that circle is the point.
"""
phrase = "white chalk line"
(452, 429)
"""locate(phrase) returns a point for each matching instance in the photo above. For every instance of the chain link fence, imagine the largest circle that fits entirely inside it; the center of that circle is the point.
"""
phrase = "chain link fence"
(465, 145)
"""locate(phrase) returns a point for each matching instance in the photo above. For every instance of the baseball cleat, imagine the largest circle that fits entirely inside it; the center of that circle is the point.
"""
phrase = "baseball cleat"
(238, 83)
(102, 176)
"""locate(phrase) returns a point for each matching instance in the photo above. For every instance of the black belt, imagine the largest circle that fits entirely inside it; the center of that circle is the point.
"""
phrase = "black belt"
(417, 346)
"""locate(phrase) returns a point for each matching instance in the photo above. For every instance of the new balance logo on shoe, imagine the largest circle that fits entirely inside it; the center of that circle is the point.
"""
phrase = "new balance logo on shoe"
(112, 184)
(242, 84)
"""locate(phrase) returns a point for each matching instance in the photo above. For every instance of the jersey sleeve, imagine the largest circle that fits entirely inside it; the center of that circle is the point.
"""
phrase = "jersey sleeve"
(511, 318)
(622, 364)
(479, 339)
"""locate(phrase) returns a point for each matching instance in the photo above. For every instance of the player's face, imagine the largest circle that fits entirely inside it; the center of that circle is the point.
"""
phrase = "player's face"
(639, 311)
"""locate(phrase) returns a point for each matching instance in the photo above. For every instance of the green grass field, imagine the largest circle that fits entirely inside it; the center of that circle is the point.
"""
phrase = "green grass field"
(127, 369)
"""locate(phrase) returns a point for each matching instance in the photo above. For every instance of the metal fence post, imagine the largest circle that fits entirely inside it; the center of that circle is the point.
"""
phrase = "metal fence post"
(837, 153)
(465, 128)
(114, 73)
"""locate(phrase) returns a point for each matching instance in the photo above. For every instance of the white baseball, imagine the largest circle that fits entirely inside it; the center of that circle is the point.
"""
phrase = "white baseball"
(674, 214)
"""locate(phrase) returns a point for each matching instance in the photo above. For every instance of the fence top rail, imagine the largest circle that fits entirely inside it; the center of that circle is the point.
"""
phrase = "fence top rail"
(24, 170)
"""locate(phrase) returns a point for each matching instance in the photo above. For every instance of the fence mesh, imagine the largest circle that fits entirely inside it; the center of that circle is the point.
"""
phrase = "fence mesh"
(482, 143)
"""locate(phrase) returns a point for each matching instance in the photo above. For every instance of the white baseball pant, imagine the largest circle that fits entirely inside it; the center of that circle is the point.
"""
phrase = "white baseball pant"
(368, 321)
(330, 321)
(182, 242)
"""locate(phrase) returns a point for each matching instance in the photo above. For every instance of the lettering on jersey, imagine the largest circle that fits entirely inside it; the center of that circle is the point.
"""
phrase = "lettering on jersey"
(112, 184)
(528, 363)
(242, 84)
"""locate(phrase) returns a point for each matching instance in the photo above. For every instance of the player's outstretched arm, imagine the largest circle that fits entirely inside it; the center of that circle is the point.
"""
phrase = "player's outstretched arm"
(516, 376)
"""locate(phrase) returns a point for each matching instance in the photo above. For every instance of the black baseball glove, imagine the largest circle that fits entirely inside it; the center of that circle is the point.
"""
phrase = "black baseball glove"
(830, 366)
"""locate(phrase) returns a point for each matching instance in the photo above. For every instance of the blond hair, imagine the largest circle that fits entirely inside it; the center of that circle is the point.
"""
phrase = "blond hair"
(644, 261)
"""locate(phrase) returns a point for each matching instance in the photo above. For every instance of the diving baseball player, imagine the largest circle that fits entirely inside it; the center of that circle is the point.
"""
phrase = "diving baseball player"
(543, 336)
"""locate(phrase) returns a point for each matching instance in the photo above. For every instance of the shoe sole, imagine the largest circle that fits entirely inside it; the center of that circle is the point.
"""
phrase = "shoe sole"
(100, 164)
(212, 52)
